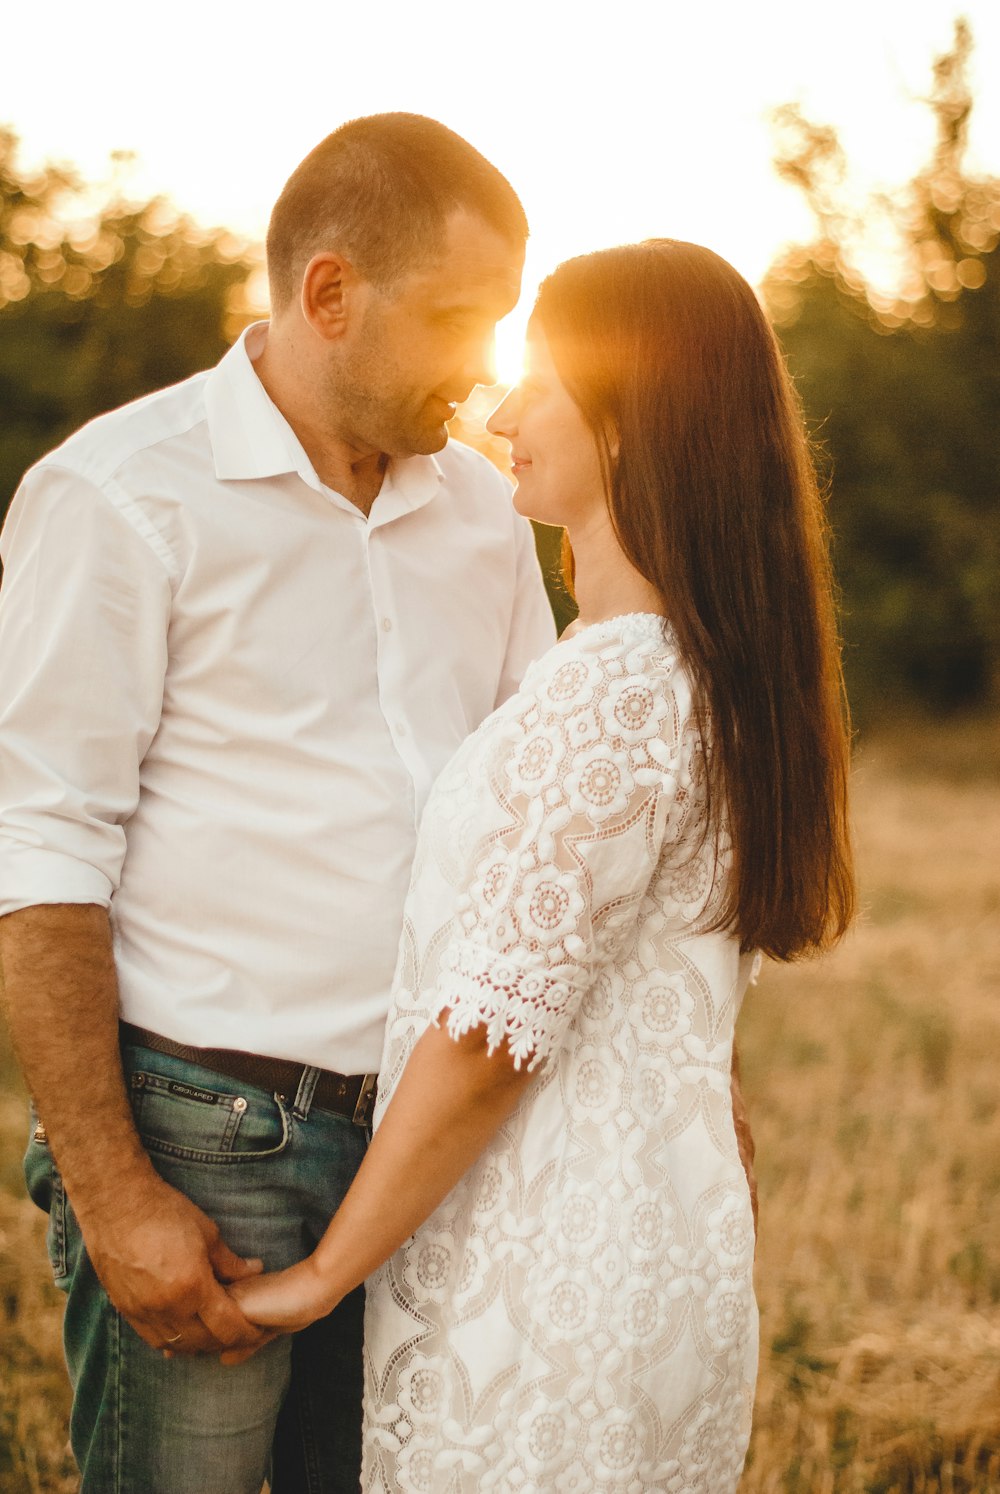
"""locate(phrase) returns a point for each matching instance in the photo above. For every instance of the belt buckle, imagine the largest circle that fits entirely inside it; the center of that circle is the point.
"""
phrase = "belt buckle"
(366, 1100)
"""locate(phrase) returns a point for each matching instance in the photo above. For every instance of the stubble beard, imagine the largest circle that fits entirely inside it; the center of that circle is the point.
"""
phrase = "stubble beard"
(375, 416)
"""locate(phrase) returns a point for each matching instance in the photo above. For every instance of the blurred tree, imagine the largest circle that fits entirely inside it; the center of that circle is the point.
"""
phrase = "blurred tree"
(903, 389)
(99, 304)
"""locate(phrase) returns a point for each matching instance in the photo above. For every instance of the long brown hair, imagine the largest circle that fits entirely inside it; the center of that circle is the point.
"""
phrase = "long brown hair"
(714, 498)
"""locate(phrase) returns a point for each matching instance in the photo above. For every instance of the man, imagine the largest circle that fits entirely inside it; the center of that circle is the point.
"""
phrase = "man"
(244, 623)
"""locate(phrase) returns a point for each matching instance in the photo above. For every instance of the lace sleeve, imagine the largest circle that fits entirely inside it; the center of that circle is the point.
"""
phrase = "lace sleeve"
(583, 776)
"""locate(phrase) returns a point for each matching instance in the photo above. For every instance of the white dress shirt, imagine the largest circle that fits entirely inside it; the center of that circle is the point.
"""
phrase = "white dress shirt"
(225, 693)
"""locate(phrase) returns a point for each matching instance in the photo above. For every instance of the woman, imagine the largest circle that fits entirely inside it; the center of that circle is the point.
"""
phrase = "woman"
(553, 1202)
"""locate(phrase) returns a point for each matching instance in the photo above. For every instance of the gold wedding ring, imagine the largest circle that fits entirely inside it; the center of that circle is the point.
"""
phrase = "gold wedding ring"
(174, 1339)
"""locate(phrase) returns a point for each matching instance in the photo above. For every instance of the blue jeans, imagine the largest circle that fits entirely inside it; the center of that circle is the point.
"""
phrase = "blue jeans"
(271, 1171)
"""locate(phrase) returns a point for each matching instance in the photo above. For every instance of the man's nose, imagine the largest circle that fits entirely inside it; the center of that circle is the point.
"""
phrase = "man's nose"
(480, 365)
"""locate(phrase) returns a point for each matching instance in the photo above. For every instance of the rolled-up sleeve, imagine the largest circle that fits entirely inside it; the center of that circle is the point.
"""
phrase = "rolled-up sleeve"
(84, 613)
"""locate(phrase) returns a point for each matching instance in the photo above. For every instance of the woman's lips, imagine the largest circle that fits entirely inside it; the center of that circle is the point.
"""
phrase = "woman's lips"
(518, 465)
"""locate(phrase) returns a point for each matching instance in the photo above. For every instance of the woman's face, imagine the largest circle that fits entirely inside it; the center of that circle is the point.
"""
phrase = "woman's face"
(555, 459)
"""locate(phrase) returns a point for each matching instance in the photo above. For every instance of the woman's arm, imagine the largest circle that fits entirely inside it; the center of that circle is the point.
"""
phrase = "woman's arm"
(452, 1097)
(538, 901)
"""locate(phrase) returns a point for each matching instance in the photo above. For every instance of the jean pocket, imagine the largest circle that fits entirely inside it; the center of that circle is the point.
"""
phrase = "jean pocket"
(45, 1189)
(187, 1118)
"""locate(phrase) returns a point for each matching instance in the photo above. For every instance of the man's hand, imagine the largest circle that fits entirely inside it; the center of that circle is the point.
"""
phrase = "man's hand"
(162, 1265)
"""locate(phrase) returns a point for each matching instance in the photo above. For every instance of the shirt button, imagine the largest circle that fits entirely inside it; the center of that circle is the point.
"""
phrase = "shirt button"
(387, 624)
(401, 728)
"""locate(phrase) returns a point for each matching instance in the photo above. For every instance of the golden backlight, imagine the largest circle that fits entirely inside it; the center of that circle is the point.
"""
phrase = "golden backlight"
(509, 358)
(651, 118)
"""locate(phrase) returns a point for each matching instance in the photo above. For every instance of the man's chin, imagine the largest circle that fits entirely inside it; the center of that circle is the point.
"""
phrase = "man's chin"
(418, 439)
(427, 442)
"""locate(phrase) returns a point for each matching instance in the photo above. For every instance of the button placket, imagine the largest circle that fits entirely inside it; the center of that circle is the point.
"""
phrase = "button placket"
(397, 726)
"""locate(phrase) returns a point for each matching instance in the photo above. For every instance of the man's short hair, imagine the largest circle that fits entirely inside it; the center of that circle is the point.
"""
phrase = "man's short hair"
(380, 190)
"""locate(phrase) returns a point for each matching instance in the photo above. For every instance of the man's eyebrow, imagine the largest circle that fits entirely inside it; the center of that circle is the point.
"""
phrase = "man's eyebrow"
(464, 308)
(473, 300)
(470, 302)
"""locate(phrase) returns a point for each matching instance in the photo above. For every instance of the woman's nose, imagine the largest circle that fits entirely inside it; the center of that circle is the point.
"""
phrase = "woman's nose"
(503, 421)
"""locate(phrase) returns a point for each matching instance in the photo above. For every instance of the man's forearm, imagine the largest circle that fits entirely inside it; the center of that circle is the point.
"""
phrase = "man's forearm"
(61, 996)
(159, 1257)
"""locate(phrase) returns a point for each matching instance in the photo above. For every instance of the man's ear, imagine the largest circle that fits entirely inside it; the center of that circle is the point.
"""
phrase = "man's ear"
(331, 288)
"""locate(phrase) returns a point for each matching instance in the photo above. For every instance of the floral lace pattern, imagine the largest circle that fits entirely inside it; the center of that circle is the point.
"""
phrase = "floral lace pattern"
(578, 1315)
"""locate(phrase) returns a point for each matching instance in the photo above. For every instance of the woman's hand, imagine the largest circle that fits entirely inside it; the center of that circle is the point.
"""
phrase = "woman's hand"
(282, 1301)
(450, 1100)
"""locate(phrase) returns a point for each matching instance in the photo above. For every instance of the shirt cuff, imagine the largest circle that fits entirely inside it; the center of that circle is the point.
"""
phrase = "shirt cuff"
(29, 877)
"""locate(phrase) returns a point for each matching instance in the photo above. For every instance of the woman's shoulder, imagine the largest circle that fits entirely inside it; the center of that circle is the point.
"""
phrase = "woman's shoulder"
(617, 686)
(589, 660)
(601, 716)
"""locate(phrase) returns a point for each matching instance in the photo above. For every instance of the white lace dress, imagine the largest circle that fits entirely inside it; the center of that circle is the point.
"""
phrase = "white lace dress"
(578, 1315)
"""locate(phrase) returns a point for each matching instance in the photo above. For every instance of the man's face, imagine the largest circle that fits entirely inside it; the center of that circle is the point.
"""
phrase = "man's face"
(418, 349)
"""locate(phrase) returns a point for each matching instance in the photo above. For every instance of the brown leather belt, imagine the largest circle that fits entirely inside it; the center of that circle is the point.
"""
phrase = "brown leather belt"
(352, 1095)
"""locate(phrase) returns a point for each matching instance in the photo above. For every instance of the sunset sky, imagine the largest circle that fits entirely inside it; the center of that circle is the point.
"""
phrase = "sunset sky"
(613, 121)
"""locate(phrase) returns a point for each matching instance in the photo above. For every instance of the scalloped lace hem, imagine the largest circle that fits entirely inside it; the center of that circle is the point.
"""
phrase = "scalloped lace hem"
(520, 1005)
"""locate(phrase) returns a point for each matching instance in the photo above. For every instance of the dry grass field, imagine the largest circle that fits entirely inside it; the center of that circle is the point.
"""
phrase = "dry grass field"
(873, 1081)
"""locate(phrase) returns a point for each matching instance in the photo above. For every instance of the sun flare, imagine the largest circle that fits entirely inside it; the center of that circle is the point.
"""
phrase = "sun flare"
(509, 357)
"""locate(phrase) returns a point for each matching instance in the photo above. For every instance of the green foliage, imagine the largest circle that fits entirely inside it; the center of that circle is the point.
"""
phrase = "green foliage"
(902, 392)
(792, 1346)
(548, 543)
(99, 305)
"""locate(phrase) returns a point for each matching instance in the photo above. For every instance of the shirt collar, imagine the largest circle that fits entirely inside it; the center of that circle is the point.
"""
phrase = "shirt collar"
(252, 439)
